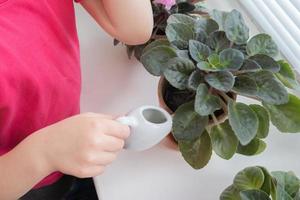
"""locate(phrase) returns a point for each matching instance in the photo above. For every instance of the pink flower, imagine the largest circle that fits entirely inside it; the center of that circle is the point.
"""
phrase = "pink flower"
(167, 3)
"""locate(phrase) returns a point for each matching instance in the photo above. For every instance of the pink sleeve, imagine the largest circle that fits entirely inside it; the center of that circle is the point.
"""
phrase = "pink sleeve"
(77, 1)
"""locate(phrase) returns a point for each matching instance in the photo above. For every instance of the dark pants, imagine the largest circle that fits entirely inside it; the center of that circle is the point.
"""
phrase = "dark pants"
(67, 188)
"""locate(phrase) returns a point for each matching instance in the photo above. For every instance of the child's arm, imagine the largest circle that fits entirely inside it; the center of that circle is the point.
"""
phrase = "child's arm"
(82, 146)
(21, 169)
(130, 21)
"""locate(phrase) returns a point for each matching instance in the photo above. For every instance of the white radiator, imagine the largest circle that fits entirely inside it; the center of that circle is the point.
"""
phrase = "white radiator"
(280, 19)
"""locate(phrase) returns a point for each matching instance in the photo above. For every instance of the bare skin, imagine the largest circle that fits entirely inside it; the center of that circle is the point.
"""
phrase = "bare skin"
(99, 137)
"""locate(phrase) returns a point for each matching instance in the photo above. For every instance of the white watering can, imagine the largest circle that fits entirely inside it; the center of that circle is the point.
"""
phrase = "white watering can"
(148, 126)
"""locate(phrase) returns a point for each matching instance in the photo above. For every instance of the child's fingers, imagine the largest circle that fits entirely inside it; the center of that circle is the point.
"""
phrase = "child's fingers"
(110, 144)
(116, 129)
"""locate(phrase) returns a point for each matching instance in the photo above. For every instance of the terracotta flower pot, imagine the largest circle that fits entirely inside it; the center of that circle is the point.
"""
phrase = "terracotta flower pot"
(162, 85)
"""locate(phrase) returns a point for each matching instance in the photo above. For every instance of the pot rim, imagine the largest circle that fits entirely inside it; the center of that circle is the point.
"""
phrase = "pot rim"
(160, 92)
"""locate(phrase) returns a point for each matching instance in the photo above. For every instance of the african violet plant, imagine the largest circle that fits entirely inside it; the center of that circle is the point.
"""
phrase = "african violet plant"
(256, 183)
(207, 62)
(162, 9)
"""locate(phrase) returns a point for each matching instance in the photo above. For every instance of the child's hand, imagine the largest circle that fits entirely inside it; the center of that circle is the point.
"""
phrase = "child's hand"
(83, 145)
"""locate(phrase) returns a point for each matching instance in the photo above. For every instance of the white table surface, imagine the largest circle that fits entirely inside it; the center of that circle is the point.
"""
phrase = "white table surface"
(113, 84)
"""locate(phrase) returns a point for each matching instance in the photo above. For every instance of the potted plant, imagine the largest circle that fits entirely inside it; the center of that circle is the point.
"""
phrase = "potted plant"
(256, 183)
(162, 9)
(204, 63)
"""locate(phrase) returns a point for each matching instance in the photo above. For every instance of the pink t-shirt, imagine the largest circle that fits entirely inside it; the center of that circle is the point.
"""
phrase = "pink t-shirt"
(40, 79)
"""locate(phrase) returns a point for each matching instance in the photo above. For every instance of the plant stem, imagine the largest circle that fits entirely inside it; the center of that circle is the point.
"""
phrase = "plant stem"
(214, 118)
(225, 96)
(231, 44)
(224, 105)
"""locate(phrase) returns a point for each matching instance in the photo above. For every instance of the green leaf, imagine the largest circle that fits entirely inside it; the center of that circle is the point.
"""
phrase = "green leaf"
(269, 183)
(205, 103)
(243, 121)
(282, 194)
(179, 34)
(262, 44)
(286, 117)
(208, 25)
(218, 41)
(197, 152)
(178, 71)
(223, 80)
(249, 178)
(287, 75)
(297, 197)
(266, 62)
(205, 66)
(270, 90)
(183, 54)
(181, 18)
(230, 193)
(195, 79)
(156, 43)
(250, 66)
(255, 147)
(198, 50)
(245, 85)
(231, 59)
(288, 182)
(156, 58)
(263, 119)
(235, 28)
(187, 124)
(201, 35)
(219, 17)
(254, 195)
(214, 60)
(224, 141)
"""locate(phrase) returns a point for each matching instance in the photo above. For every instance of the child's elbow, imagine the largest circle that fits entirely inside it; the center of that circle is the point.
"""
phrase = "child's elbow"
(138, 36)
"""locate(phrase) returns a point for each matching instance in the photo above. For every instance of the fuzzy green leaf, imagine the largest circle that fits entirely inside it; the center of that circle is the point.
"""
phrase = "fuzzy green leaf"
(288, 182)
(250, 66)
(255, 147)
(219, 17)
(264, 120)
(178, 71)
(156, 43)
(254, 195)
(224, 141)
(262, 44)
(179, 34)
(198, 50)
(218, 41)
(245, 85)
(214, 60)
(249, 178)
(197, 152)
(230, 193)
(223, 80)
(195, 79)
(155, 59)
(269, 183)
(205, 66)
(187, 124)
(208, 25)
(231, 59)
(181, 18)
(287, 75)
(243, 121)
(205, 103)
(235, 28)
(286, 117)
(270, 90)
(266, 62)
